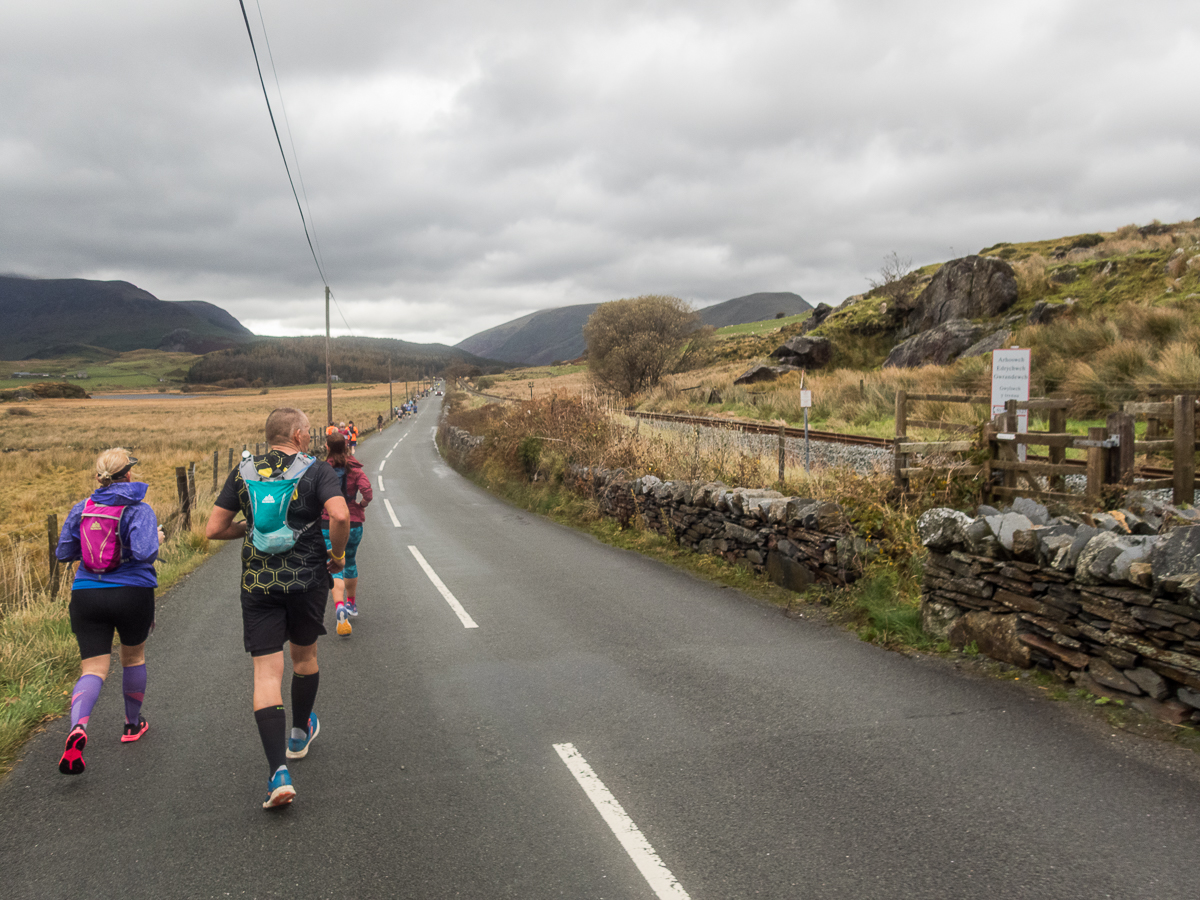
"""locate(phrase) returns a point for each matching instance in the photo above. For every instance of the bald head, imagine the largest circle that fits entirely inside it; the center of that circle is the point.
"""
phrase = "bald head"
(283, 423)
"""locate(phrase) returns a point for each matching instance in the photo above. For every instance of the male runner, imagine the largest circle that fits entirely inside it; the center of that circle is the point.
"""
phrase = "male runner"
(284, 594)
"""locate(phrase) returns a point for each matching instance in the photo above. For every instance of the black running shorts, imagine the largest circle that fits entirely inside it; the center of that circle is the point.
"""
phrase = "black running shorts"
(270, 620)
(97, 612)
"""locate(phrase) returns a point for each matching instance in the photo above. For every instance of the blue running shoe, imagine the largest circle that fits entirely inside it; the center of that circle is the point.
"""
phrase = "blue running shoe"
(351, 608)
(298, 747)
(279, 789)
(343, 621)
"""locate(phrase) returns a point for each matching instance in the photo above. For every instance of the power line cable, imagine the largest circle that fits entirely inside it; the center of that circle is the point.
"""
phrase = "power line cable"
(287, 126)
(333, 297)
(278, 141)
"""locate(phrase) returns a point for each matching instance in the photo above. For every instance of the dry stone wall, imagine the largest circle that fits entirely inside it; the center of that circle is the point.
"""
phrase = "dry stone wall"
(795, 541)
(1109, 601)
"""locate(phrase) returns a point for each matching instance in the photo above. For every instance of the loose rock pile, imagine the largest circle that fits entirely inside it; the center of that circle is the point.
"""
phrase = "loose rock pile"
(1109, 601)
(795, 541)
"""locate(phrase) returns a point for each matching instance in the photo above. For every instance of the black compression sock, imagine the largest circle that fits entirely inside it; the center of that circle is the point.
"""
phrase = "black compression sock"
(304, 696)
(272, 729)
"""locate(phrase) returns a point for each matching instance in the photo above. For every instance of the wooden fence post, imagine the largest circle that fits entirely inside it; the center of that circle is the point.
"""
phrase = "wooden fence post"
(231, 452)
(1120, 459)
(901, 459)
(191, 485)
(782, 439)
(1097, 464)
(181, 490)
(52, 541)
(989, 444)
(1011, 451)
(1185, 450)
(216, 462)
(1058, 455)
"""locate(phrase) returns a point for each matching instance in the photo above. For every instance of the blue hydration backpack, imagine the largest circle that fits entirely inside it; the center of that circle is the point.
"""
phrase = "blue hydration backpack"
(270, 498)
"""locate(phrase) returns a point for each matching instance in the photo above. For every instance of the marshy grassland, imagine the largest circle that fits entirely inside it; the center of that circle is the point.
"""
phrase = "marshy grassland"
(50, 446)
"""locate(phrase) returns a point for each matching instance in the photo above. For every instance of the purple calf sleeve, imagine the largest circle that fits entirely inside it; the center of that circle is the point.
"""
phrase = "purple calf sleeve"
(84, 697)
(133, 683)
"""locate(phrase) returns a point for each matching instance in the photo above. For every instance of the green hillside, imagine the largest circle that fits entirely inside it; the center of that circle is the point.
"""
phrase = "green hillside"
(301, 360)
(53, 317)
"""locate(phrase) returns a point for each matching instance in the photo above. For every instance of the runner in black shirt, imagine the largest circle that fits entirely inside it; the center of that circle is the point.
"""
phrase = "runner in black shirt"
(283, 595)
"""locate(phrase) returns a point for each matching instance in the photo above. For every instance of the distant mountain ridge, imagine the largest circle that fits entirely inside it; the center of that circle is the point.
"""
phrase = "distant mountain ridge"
(549, 335)
(48, 317)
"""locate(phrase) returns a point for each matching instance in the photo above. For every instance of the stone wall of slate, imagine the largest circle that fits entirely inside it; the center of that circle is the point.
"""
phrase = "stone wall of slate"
(1110, 601)
(459, 442)
(795, 541)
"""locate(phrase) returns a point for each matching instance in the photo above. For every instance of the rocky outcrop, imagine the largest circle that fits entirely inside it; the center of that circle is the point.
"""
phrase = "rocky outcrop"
(819, 314)
(937, 346)
(988, 343)
(1044, 312)
(1109, 601)
(804, 352)
(973, 287)
(795, 541)
(758, 373)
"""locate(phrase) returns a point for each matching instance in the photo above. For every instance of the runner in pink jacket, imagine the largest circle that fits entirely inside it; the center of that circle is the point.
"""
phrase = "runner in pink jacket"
(356, 488)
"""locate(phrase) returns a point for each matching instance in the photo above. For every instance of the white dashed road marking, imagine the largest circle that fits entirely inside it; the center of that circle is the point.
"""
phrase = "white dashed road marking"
(466, 620)
(381, 487)
(664, 884)
(388, 505)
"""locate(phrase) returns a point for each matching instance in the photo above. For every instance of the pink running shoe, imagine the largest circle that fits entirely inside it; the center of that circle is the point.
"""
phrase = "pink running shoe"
(135, 730)
(72, 758)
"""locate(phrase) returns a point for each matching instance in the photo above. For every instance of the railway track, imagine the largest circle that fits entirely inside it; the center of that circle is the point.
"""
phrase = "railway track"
(832, 437)
(751, 427)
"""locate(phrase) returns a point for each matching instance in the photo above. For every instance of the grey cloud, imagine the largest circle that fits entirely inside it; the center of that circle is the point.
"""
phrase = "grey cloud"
(468, 162)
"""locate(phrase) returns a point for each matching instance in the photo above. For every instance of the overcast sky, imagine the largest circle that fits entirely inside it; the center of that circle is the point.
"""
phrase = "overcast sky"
(470, 161)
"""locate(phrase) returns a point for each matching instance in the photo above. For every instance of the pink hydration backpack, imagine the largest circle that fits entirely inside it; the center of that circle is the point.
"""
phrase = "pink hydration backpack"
(100, 536)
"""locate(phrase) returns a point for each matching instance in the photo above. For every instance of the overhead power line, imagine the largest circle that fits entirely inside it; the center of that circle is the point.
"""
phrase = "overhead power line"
(279, 141)
(287, 126)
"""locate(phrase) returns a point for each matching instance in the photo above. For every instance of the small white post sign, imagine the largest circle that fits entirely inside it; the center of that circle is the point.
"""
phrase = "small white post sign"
(806, 399)
(1010, 381)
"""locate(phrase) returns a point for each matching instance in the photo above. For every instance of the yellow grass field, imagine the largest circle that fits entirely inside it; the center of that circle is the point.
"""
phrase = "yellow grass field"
(50, 448)
(47, 463)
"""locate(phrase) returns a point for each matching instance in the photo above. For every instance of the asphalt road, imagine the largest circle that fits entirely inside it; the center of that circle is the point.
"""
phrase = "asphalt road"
(734, 752)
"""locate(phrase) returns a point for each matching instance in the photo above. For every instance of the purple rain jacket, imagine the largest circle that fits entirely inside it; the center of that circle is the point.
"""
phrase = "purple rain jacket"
(139, 538)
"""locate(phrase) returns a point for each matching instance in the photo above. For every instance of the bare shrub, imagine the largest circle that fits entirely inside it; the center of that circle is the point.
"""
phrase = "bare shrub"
(893, 271)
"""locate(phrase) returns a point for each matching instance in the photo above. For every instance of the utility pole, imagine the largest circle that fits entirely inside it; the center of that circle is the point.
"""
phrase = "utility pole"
(328, 370)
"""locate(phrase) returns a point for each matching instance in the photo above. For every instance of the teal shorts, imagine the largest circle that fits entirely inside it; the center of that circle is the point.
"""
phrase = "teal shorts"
(350, 570)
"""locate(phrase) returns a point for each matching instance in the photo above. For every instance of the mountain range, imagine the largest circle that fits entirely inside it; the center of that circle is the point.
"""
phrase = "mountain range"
(51, 317)
(550, 335)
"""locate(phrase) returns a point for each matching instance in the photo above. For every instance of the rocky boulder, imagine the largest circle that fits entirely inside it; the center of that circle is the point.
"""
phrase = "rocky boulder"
(758, 373)
(937, 345)
(988, 343)
(973, 287)
(805, 352)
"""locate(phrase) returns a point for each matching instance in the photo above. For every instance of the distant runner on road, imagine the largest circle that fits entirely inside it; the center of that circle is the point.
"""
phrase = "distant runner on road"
(356, 488)
(115, 536)
(285, 580)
